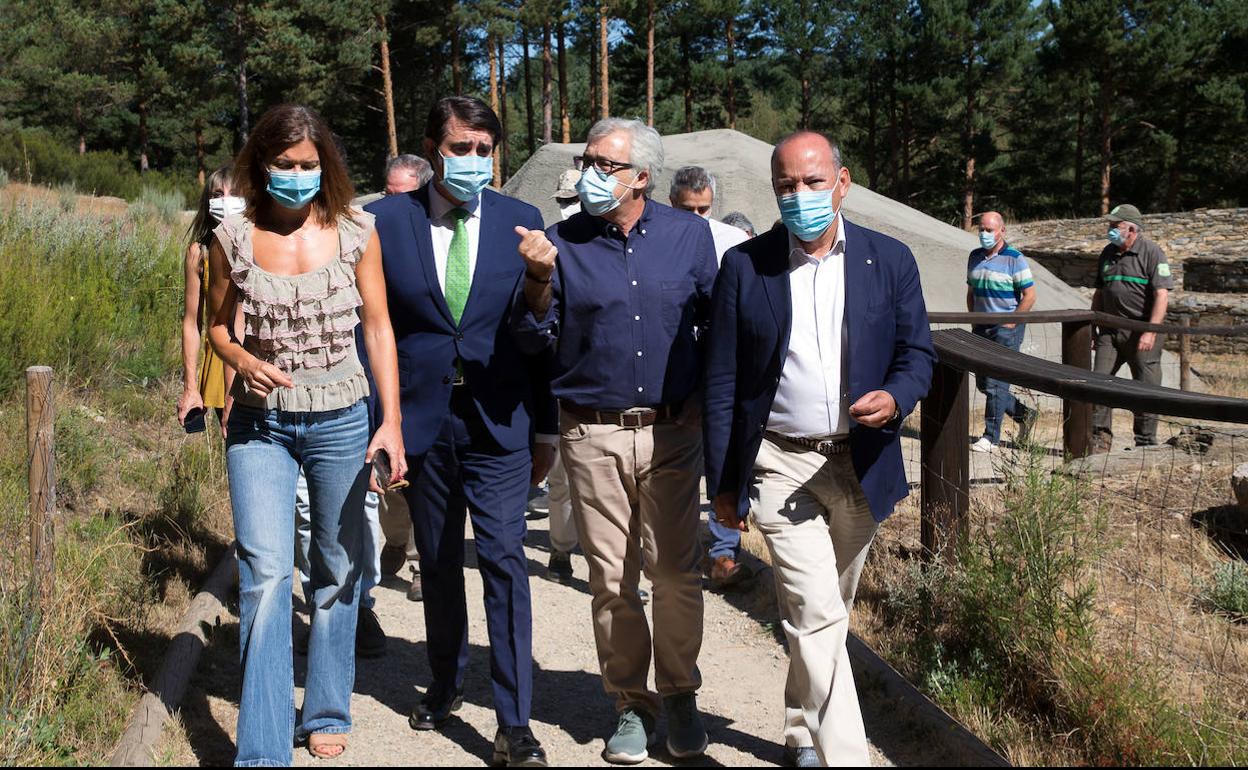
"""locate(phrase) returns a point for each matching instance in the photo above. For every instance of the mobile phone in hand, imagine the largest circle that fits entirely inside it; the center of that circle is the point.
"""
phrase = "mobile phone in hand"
(194, 421)
(382, 470)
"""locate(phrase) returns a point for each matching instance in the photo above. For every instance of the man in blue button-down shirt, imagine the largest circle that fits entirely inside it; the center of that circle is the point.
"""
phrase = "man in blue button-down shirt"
(620, 291)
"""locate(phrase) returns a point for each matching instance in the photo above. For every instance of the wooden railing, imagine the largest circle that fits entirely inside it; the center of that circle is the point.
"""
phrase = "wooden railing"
(945, 416)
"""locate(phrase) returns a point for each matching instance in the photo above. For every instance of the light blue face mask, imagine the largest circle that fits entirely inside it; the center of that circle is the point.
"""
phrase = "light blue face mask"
(597, 191)
(294, 189)
(465, 176)
(987, 240)
(808, 213)
(1116, 237)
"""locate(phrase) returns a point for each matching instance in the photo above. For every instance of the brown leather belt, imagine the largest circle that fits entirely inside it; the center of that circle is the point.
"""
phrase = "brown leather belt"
(824, 446)
(637, 417)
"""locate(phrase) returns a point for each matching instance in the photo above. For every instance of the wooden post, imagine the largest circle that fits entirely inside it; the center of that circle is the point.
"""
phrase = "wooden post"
(1185, 355)
(1077, 415)
(42, 479)
(945, 448)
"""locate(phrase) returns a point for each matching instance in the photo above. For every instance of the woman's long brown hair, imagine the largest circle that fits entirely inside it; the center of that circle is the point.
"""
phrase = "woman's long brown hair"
(201, 227)
(279, 128)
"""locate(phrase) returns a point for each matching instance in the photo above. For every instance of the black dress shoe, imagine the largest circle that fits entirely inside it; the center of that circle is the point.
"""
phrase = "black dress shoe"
(370, 639)
(430, 714)
(516, 747)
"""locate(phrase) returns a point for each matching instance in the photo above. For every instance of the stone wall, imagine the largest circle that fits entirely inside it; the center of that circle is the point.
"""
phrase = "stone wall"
(1208, 253)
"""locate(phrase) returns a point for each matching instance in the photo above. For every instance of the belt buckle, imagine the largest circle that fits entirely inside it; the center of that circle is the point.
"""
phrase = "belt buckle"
(826, 447)
(634, 418)
(457, 380)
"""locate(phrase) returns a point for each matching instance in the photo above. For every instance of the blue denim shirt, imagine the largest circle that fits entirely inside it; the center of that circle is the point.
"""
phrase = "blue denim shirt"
(627, 311)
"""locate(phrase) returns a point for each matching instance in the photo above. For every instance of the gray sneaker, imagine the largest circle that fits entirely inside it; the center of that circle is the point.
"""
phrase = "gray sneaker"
(634, 737)
(686, 736)
(801, 756)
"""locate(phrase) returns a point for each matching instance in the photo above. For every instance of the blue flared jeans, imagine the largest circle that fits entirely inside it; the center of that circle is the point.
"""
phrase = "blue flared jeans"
(265, 450)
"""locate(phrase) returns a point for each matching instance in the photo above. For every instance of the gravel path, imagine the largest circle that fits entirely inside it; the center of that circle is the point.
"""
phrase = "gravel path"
(743, 668)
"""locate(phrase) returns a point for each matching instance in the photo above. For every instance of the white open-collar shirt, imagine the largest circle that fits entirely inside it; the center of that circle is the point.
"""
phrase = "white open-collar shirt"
(442, 228)
(812, 400)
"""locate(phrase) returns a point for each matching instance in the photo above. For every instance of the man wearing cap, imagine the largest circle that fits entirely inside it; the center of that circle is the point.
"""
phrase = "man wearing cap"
(1132, 281)
(565, 194)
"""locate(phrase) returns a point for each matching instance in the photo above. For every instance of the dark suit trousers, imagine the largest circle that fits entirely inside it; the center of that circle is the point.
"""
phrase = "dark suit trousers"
(466, 473)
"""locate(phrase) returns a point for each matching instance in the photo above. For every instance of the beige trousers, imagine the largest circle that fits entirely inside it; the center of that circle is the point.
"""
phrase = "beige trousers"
(396, 523)
(562, 527)
(635, 503)
(817, 525)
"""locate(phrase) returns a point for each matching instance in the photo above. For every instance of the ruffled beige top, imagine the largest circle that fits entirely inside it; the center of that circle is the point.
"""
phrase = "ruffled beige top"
(303, 324)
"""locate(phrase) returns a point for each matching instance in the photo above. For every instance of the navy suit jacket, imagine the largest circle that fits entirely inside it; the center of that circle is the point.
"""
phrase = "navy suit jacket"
(510, 389)
(890, 348)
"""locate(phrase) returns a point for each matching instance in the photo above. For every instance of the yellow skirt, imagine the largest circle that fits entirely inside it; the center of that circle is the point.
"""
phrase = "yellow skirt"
(211, 367)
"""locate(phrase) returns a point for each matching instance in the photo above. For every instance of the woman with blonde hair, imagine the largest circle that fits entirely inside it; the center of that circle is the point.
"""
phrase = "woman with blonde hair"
(305, 268)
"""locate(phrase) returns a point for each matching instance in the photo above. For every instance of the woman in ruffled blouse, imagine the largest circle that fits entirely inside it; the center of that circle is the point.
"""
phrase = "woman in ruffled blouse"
(306, 269)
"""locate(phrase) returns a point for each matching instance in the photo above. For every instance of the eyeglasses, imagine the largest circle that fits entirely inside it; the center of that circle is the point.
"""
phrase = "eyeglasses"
(605, 165)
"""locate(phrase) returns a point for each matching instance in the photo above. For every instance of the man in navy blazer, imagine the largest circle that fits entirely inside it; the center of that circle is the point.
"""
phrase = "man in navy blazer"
(819, 347)
(473, 406)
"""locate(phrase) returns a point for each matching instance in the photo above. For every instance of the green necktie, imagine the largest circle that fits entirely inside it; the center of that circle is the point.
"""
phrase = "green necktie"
(458, 279)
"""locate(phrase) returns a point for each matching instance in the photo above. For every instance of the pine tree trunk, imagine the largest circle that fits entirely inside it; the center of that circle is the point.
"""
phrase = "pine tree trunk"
(244, 116)
(82, 134)
(565, 119)
(686, 67)
(650, 62)
(603, 54)
(547, 84)
(528, 91)
(873, 169)
(502, 100)
(201, 170)
(1175, 183)
(1107, 147)
(1076, 193)
(387, 88)
(593, 73)
(457, 81)
(805, 117)
(142, 109)
(498, 151)
(732, 63)
(968, 144)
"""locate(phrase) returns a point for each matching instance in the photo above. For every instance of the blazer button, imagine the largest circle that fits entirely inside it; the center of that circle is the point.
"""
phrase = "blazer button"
(459, 337)
(446, 380)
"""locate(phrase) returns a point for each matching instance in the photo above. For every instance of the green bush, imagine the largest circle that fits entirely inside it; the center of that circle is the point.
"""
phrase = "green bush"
(36, 156)
(1227, 593)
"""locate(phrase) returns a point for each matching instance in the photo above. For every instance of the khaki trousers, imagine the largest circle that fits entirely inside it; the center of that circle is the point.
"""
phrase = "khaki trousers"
(635, 503)
(562, 527)
(396, 523)
(815, 519)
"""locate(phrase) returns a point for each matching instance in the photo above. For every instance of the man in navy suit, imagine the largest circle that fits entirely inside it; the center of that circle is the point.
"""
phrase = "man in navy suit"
(472, 405)
(819, 347)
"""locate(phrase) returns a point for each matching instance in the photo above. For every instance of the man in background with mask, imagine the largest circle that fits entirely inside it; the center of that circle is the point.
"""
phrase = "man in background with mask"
(999, 281)
(1132, 281)
(693, 189)
(566, 196)
(617, 292)
(471, 400)
(819, 347)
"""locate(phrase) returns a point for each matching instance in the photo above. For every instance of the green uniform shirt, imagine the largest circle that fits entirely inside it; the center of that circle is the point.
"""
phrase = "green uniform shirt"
(1128, 279)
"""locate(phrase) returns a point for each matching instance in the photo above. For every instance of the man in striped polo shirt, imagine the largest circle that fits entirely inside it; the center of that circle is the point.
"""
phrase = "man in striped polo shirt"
(999, 281)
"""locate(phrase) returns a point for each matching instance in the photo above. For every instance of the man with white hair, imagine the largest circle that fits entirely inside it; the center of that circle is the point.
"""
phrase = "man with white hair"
(617, 291)
(693, 189)
(405, 173)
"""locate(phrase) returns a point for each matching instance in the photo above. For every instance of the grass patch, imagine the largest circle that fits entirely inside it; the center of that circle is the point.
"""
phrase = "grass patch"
(1227, 592)
(142, 508)
(1025, 636)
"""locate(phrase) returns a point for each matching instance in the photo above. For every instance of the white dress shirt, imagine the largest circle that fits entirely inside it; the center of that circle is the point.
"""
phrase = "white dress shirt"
(813, 398)
(725, 237)
(442, 227)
